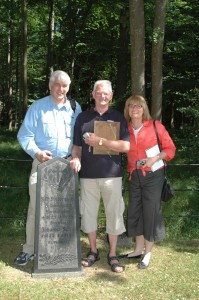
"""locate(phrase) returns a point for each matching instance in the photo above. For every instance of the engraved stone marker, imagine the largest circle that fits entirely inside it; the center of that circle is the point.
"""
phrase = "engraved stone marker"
(57, 229)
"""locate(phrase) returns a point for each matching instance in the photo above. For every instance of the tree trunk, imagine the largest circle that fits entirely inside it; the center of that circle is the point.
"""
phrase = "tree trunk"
(51, 26)
(23, 87)
(157, 54)
(9, 110)
(72, 16)
(137, 39)
(122, 60)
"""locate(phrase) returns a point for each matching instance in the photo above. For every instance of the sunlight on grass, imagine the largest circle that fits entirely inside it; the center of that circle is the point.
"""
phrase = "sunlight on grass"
(174, 265)
(171, 275)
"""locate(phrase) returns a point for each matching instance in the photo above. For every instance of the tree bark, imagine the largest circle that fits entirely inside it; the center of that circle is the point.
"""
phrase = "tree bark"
(157, 58)
(23, 87)
(122, 59)
(9, 110)
(137, 39)
(51, 26)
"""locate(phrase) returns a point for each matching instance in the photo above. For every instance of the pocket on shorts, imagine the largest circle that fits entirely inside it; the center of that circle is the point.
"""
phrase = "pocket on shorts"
(122, 206)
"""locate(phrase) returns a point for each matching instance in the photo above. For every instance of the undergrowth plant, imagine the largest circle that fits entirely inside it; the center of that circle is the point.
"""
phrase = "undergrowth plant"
(181, 214)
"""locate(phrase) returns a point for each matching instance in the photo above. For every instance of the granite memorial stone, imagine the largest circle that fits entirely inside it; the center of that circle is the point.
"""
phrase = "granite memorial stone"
(57, 229)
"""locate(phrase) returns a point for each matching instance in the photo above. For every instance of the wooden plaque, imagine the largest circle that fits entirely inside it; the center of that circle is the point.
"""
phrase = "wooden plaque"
(108, 130)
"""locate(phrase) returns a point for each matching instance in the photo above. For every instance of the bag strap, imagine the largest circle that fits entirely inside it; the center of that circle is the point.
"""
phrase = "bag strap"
(72, 103)
(156, 132)
(158, 140)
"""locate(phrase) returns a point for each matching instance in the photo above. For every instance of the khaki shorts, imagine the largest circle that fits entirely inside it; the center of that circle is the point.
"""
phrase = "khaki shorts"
(110, 190)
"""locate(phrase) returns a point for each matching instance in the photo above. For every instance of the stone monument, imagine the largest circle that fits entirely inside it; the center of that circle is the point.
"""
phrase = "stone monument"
(57, 229)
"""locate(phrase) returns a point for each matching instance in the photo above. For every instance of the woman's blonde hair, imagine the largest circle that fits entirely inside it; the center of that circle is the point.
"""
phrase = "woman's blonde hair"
(136, 100)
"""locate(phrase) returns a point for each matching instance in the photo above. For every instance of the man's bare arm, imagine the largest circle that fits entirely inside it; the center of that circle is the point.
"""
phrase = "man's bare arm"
(75, 163)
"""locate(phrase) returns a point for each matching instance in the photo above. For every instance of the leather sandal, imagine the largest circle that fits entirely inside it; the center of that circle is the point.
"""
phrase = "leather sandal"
(91, 258)
(114, 266)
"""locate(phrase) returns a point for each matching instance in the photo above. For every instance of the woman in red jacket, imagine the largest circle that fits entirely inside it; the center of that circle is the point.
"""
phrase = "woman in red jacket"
(146, 176)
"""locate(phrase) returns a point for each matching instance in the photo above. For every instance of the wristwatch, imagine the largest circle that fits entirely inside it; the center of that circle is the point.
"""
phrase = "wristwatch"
(100, 142)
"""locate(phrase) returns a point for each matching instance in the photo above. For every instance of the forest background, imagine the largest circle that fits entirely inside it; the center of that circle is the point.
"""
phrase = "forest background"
(146, 47)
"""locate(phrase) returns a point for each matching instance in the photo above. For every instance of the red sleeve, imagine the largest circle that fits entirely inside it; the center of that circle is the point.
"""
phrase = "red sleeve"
(166, 142)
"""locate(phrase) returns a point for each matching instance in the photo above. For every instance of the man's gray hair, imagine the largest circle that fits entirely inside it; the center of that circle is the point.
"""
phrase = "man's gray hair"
(60, 75)
(103, 82)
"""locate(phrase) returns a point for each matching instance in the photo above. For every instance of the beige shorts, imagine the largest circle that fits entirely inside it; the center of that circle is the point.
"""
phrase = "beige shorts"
(110, 190)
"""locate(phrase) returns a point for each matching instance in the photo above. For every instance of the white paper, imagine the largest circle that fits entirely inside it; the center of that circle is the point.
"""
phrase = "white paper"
(151, 152)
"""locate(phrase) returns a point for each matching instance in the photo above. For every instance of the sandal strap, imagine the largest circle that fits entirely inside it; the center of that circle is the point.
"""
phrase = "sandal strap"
(110, 258)
(90, 260)
(115, 265)
(94, 254)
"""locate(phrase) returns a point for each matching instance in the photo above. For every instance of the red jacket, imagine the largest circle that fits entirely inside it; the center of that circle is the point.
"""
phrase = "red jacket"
(146, 138)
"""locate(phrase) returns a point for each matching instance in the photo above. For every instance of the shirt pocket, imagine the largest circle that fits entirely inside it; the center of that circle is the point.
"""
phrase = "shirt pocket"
(50, 130)
(49, 127)
(69, 121)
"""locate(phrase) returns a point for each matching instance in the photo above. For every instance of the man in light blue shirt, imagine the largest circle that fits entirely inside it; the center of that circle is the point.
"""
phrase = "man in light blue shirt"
(46, 132)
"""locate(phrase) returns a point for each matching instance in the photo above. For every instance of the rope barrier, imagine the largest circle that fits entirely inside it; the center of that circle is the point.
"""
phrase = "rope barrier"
(100, 217)
(30, 160)
(14, 159)
(12, 187)
(103, 217)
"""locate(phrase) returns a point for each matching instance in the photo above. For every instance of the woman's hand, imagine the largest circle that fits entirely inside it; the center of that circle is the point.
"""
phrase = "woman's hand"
(150, 161)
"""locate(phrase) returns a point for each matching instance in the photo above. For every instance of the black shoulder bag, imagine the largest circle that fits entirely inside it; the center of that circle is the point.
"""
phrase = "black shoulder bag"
(167, 190)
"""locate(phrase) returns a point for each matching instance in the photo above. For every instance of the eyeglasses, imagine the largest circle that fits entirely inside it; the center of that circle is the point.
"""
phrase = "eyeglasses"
(138, 106)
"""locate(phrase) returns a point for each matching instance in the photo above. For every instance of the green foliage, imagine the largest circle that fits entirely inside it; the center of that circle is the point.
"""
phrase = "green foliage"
(89, 43)
(181, 215)
(190, 110)
(157, 35)
(181, 77)
(13, 201)
(9, 146)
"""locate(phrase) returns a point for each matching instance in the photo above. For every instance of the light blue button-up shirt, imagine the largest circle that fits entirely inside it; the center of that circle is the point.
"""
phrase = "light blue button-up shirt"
(48, 126)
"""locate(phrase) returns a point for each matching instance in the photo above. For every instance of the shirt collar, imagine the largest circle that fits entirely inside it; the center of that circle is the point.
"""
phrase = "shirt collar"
(146, 123)
(66, 104)
(109, 111)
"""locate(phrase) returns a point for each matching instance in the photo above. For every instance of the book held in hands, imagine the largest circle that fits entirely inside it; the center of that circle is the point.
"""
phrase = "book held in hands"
(151, 152)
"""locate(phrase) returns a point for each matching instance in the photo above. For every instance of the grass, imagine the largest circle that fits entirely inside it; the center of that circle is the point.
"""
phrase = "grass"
(173, 271)
(14, 201)
(172, 275)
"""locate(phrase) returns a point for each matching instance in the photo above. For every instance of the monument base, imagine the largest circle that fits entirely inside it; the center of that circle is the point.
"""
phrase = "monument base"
(58, 274)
